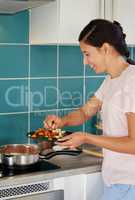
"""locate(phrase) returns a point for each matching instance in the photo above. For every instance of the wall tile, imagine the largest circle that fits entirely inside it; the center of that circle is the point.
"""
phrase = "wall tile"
(13, 96)
(14, 61)
(36, 119)
(14, 28)
(130, 50)
(43, 61)
(70, 61)
(70, 93)
(43, 94)
(13, 129)
(90, 125)
(92, 84)
(134, 53)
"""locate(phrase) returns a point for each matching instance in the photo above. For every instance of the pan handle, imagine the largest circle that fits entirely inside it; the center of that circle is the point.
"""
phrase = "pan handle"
(64, 152)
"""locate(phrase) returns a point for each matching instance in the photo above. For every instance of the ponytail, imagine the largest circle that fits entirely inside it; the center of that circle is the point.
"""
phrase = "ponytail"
(99, 31)
(130, 61)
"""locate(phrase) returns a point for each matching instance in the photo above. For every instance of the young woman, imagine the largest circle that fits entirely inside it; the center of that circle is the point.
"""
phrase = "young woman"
(104, 48)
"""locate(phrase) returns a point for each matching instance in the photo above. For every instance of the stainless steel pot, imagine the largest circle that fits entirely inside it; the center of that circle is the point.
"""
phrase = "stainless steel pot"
(23, 155)
(19, 154)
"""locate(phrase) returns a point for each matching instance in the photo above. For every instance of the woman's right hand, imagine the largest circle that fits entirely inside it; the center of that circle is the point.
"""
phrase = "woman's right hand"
(73, 140)
(53, 122)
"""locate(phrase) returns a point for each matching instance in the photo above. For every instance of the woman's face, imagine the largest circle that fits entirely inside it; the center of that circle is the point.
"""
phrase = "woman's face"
(93, 56)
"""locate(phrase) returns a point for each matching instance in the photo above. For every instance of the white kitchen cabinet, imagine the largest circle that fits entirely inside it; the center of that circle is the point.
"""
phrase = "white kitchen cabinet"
(44, 24)
(80, 187)
(94, 186)
(61, 21)
(124, 12)
(74, 187)
(74, 15)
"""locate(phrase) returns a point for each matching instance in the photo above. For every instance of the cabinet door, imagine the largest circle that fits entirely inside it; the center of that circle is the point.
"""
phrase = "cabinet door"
(74, 187)
(61, 21)
(94, 186)
(74, 15)
(124, 12)
(44, 24)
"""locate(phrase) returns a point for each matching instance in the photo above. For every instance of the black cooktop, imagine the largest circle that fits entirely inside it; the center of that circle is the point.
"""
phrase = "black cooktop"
(38, 167)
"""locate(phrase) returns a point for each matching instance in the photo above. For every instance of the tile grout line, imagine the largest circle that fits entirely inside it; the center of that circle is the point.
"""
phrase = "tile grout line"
(58, 35)
(16, 44)
(52, 44)
(48, 44)
(132, 52)
(101, 76)
(5, 79)
(29, 72)
(57, 78)
(60, 109)
(37, 111)
(84, 91)
(60, 77)
(13, 113)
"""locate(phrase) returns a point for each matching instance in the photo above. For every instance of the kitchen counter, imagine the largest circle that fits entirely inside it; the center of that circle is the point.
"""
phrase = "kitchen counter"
(69, 165)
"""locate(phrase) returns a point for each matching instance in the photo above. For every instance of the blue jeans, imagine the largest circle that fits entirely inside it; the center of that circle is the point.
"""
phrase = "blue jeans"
(119, 192)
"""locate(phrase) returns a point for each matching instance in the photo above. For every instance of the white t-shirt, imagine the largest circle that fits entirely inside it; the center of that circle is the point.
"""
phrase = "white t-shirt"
(118, 98)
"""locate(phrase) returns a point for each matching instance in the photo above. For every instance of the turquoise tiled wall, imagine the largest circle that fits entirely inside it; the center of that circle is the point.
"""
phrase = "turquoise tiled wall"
(36, 119)
(14, 29)
(43, 61)
(13, 96)
(70, 92)
(70, 61)
(14, 72)
(43, 94)
(37, 80)
(14, 61)
(13, 128)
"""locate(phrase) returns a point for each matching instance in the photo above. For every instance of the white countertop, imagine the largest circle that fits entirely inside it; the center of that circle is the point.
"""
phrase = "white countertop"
(70, 165)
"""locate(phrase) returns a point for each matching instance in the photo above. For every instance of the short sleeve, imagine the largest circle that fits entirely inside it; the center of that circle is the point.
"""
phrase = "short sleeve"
(129, 101)
(101, 91)
(128, 97)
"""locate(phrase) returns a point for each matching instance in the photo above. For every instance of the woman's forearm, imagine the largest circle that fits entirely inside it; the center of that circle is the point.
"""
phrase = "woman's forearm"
(74, 118)
(119, 144)
(79, 116)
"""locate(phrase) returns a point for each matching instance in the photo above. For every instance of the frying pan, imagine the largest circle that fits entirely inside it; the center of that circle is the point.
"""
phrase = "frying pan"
(28, 154)
(43, 142)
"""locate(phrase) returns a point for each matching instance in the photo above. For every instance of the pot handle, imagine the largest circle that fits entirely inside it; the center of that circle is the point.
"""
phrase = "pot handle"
(64, 152)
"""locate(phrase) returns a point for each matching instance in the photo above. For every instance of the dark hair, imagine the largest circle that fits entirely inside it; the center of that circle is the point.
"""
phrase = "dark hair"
(99, 31)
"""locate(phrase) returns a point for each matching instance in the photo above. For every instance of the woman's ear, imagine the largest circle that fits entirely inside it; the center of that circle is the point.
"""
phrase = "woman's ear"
(105, 48)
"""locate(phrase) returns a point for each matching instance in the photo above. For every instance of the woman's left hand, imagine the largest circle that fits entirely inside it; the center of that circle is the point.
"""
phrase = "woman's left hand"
(73, 140)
